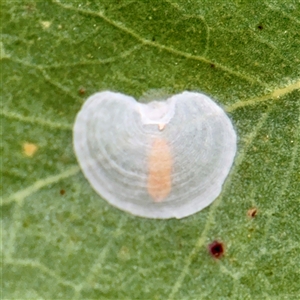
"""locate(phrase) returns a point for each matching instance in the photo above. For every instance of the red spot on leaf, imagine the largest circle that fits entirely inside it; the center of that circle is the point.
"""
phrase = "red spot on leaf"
(216, 249)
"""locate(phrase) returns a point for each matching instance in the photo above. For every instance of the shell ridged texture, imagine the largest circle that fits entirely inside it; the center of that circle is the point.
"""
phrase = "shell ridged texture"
(162, 160)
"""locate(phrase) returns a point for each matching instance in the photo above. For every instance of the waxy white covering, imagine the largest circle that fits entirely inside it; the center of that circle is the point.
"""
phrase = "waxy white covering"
(164, 159)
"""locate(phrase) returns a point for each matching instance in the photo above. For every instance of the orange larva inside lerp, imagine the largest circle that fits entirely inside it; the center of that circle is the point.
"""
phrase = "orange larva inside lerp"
(159, 170)
(162, 159)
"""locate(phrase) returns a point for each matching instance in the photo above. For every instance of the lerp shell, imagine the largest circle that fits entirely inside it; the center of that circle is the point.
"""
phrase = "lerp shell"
(161, 160)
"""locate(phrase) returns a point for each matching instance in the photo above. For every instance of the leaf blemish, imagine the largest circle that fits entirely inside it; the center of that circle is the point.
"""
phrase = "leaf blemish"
(29, 149)
(260, 27)
(46, 24)
(252, 212)
(216, 249)
(62, 192)
(82, 91)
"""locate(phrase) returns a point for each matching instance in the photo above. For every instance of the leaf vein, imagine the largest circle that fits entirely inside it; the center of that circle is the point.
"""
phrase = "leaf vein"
(97, 264)
(274, 95)
(200, 242)
(34, 120)
(144, 41)
(39, 184)
(36, 264)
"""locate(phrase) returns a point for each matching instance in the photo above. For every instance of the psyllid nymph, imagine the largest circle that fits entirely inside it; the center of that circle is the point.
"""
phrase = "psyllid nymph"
(163, 159)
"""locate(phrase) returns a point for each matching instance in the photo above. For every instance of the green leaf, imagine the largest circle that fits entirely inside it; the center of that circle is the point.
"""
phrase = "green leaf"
(60, 240)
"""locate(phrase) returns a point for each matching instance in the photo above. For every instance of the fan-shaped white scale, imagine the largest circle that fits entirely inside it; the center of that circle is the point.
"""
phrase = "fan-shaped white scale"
(160, 160)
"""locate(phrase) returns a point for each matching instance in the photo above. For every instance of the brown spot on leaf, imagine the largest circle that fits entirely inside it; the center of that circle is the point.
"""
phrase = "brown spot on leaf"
(62, 192)
(212, 66)
(216, 249)
(260, 27)
(252, 212)
(29, 149)
(82, 91)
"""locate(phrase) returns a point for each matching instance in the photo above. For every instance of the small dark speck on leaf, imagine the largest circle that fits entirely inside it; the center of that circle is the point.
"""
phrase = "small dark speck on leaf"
(216, 249)
(212, 66)
(252, 212)
(260, 27)
(81, 91)
(62, 192)
(153, 39)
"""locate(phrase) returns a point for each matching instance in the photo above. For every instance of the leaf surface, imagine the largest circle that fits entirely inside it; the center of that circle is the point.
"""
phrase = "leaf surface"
(60, 240)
